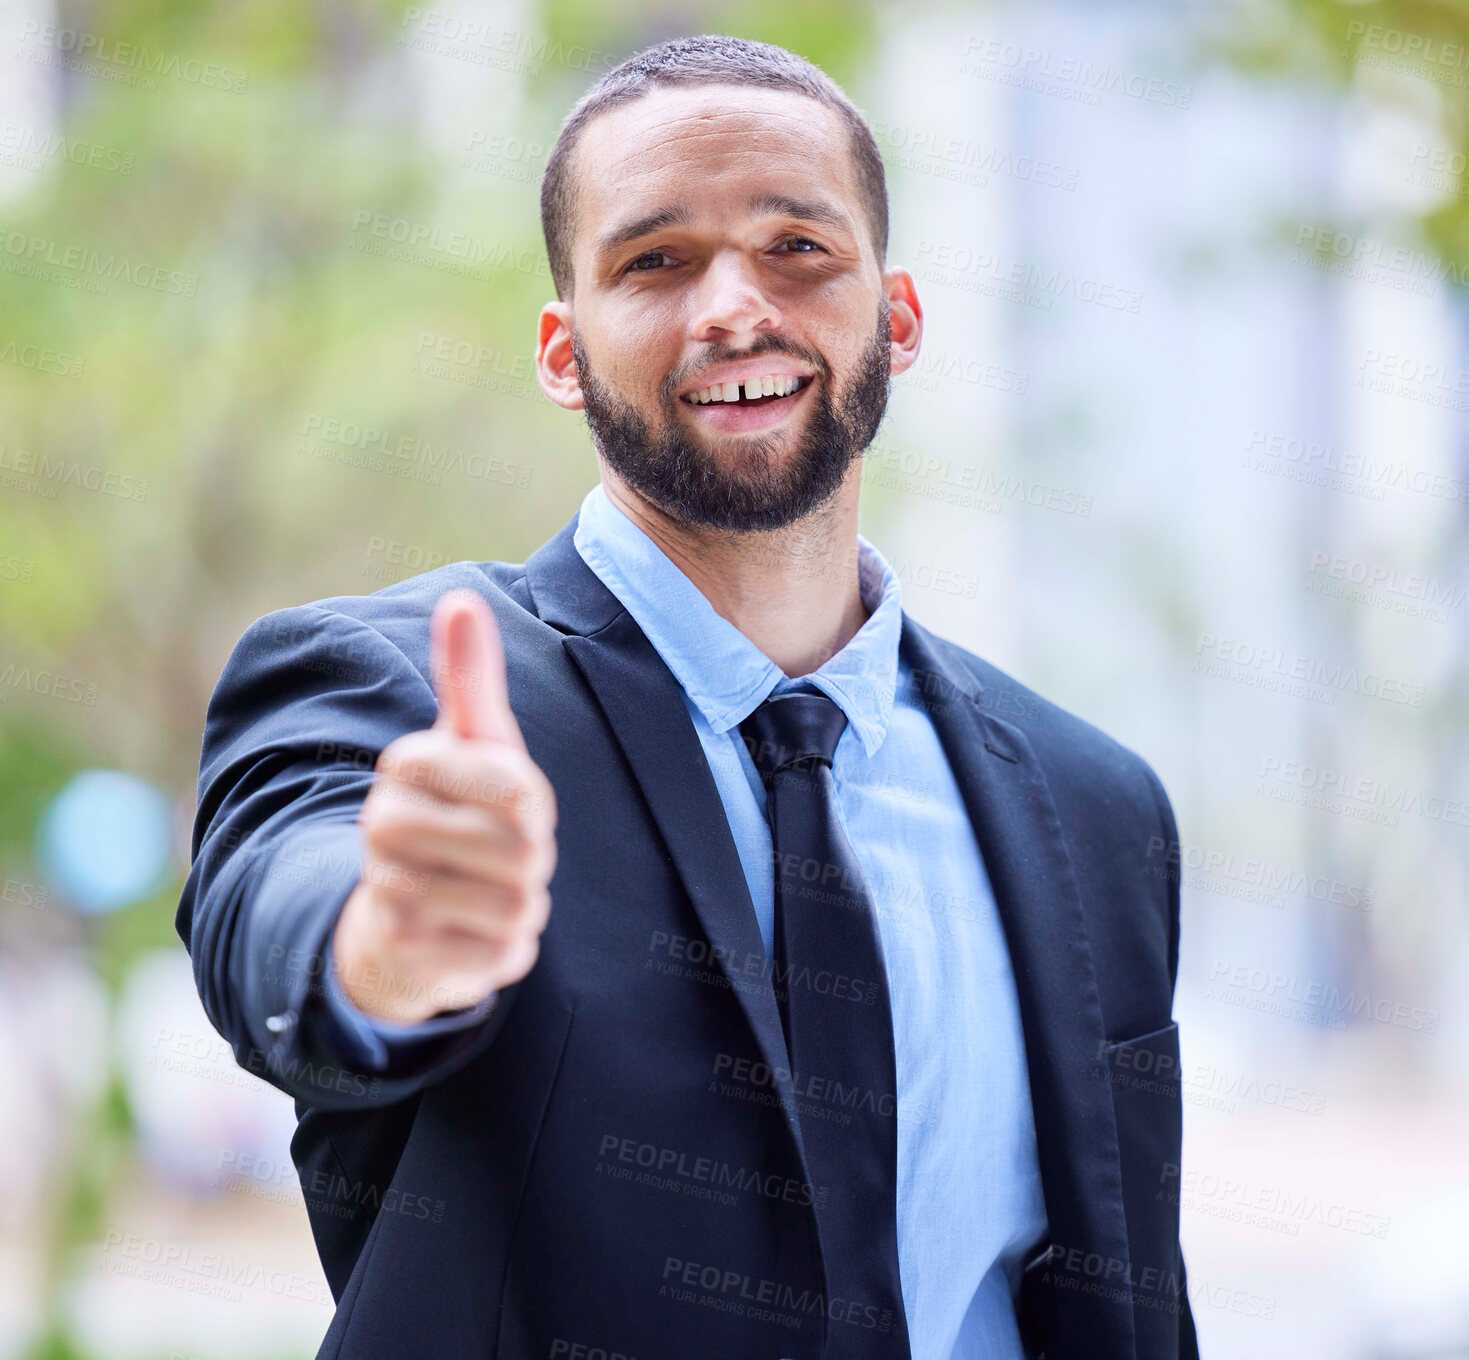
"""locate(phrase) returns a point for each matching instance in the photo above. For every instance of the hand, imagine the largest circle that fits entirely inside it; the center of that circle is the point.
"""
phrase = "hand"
(459, 842)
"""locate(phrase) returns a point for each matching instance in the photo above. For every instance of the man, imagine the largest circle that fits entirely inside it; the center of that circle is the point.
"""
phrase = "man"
(672, 948)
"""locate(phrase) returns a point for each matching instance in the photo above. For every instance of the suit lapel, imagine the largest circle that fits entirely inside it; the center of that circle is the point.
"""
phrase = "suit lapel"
(644, 706)
(1019, 836)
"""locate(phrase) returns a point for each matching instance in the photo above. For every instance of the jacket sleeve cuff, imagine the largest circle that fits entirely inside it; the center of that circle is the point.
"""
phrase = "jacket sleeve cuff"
(384, 1045)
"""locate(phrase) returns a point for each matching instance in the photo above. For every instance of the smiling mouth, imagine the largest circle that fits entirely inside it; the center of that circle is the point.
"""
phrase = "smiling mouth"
(780, 390)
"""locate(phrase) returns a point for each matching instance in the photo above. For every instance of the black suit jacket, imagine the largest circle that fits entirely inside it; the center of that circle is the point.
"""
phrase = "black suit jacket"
(611, 1159)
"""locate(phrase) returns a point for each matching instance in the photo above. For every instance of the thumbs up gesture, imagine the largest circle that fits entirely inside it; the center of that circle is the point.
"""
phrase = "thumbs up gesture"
(458, 842)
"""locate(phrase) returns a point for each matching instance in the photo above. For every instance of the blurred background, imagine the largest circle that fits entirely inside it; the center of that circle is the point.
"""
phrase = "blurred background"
(1186, 450)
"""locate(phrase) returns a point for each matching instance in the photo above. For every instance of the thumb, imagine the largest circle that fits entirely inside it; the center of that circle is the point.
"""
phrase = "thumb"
(467, 662)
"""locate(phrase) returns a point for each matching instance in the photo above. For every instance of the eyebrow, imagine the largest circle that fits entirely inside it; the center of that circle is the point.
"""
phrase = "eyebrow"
(771, 204)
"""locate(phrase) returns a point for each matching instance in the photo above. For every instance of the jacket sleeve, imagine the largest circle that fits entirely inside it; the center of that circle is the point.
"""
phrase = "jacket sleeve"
(1188, 1344)
(305, 704)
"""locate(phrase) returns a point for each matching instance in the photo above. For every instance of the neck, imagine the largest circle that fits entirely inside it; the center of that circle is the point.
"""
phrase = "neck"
(793, 592)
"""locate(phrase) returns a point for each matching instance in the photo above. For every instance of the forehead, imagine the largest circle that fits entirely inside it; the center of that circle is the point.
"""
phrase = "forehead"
(699, 144)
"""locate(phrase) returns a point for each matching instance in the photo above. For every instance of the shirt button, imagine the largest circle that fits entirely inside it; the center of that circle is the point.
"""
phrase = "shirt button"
(278, 1024)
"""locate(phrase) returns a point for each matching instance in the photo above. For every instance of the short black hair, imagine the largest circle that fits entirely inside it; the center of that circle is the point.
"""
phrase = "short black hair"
(708, 59)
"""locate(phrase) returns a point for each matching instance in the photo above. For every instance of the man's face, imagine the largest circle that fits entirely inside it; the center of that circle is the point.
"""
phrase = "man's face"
(720, 238)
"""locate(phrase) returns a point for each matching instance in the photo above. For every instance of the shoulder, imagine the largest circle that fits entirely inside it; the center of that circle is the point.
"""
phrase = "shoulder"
(397, 615)
(409, 603)
(1085, 767)
(356, 642)
(372, 654)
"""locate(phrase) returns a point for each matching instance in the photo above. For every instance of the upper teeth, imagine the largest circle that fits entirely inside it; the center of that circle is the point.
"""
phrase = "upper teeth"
(772, 385)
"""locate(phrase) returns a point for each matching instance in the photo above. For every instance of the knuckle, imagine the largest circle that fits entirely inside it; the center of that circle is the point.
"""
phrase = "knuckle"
(500, 779)
(538, 913)
(401, 750)
(519, 848)
(420, 770)
(530, 951)
(515, 898)
(540, 801)
(392, 828)
(497, 947)
(374, 815)
(402, 923)
(532, 810)
(378, 808)
(389, 757)
(397, 880)
(515, 762)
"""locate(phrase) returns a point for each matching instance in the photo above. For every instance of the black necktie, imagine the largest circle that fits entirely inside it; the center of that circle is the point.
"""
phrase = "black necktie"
(831, 986)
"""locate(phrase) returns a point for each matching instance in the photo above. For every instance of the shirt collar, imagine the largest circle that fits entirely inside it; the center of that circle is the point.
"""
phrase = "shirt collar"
(723, 673)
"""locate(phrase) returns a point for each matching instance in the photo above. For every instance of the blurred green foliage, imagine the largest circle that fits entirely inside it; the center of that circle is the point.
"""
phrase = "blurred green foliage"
(1417, 48)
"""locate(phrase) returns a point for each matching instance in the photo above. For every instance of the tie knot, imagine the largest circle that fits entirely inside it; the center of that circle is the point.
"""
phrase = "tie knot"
(790, 728)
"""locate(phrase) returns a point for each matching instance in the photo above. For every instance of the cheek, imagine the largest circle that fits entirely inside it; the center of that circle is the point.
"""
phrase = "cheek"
(838, 320)
(634, 352)
(844, 353)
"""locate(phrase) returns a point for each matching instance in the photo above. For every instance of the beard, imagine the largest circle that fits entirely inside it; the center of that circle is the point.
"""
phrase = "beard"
(674, 471)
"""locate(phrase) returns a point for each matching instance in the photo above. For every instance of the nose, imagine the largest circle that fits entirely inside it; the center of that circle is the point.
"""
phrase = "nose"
(730, 304)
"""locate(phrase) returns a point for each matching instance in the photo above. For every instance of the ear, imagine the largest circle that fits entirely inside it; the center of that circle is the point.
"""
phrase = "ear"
(905, 316)
(555, 363)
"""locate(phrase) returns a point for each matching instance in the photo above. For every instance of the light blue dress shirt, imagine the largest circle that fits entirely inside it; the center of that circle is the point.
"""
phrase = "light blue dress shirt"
(969, 1202)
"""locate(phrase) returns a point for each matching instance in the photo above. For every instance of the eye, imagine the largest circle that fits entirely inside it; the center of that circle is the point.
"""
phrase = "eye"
(791, 240)
(632, 266)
